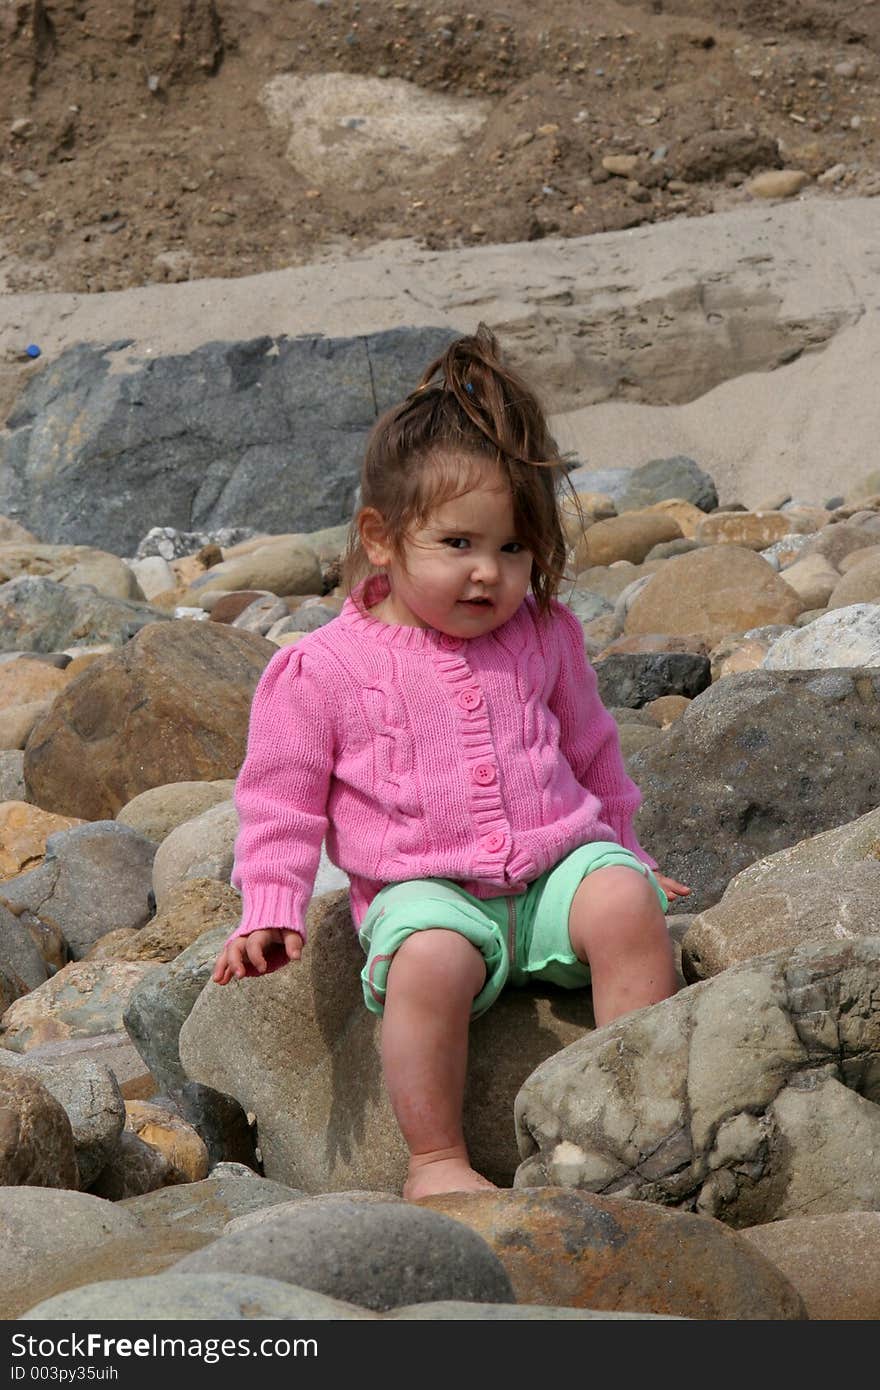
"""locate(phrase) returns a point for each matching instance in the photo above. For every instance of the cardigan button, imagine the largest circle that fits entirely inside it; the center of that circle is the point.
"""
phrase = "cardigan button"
(470, 699)
(494, 841)
(484, 773)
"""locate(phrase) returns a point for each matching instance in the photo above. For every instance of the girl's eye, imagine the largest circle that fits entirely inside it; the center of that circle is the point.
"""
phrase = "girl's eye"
(453, 541)
(512, 547)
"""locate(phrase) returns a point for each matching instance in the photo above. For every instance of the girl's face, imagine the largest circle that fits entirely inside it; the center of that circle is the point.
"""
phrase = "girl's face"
(466, 551)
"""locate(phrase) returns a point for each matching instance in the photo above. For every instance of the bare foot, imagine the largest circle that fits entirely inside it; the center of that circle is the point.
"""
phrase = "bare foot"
(427, 1179)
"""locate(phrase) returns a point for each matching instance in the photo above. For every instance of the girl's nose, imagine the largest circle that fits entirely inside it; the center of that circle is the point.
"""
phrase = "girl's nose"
(485, 569)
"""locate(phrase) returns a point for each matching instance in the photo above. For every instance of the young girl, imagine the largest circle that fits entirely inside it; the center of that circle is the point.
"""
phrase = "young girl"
(445, 734)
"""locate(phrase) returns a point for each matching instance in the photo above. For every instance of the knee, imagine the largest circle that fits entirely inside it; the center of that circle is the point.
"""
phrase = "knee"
(610, 907)
(437, 959)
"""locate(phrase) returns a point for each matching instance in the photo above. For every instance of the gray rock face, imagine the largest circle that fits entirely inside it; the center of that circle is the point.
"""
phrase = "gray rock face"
(90, 1096)
(663, 478)
(94, 879)
(750, 1097)
(203, 1298)
(757, 762)
(38, 1225)
(634, 678)
(38, 615)
(378, 1255)
(20, 959)
(269, 430)
(207, 1205)
(159, 1006)
(36, 1140)
(12, 775)
(132, 1168)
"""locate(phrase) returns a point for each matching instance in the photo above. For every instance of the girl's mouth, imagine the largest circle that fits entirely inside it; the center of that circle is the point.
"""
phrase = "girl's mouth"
(477, 602)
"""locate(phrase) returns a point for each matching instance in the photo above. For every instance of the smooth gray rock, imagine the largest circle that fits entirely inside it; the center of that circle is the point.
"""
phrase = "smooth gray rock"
(159, 1006)
(750, 1097)
(89, 1094)
(94, 878)
(670, 477)
(758, 762)
(375, 1254)
(20, 959)
(185, 1297)
(12, 786)
(635, 678)
(44, 1223)
(100, 449)
(38, 615)
(208, 1205)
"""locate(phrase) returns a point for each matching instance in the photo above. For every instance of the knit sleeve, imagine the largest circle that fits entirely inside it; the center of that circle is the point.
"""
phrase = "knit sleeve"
(589, 737)
(281, 797)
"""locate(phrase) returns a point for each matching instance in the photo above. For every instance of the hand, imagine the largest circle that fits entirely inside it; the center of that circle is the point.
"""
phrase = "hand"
(671, 888)
(250, 950)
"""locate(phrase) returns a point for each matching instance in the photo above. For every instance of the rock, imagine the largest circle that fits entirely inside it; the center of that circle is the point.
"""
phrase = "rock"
(90, 1096)
(265, 1215)
(83, 999)
(832, 1261)
(624, 165)
(36, 1140)
(192, 908)
(754, 530)
(856, 557)
(205, 1297)
(201, 848)
(161, 1002)
(628, 537)
(93, 878)
(133, 1168)
(838, 541)
(271, 430)
(74, 565)
(634, 679)
(177, 1141)
(11, 775)
(154, 575)
(45, 1227)
(281, 565)
(346, 1135)
(715, 591)
(207, 1206)
(23, 680)
(574, 1249)
(745, 1097)
(678, 478)
(158, 811)
(860, 584)
(744, 652)
(189, 688)
(812, 579)
(778, 183)
(17, 722)
(20, 957)
(844, 637)
(710, 154)
(39, 615)
(378, 1255)
(220, 1121)
(665, 710)
(718, 787)
(24, 830)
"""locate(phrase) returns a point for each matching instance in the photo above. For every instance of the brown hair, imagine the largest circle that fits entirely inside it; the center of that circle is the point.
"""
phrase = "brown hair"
(481, 410)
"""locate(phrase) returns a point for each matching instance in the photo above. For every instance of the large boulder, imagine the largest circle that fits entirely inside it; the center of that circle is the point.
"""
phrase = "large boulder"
(36, 1140)
(750, 1097)
(71, 564)
(757, 762)
(40, 615)
(184, 689)
(100, 449)
(326, 1124)
(832, 1261)
(716, 590)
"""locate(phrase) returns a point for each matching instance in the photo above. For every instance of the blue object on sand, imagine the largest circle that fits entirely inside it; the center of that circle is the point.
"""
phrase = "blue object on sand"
(32, 350)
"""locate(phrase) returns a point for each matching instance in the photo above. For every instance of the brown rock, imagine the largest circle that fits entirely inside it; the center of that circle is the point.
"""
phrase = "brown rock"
(155, 813)
(755, 530)
(658, 642)
(716, 591)
(191, 908)
(860, 584)
(685, 514)
(627, 537)
(594, 506)
(778, 183)
(171, 1136)
(665, 710)
(735, 654)
(109, 946)
(837, 541)
(24, 680)
(568, 1249)
(24, 830)
(856, 557)
(228, 606)
(82, 1000)
(17, 721)
(36, 1140)
(832, 1261)
(184, 687)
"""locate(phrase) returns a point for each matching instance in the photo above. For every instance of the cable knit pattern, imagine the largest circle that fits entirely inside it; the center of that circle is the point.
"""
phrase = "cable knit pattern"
(421, 755)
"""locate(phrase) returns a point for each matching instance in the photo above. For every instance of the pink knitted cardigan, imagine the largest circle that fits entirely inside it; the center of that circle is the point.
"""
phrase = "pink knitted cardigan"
(417, 754)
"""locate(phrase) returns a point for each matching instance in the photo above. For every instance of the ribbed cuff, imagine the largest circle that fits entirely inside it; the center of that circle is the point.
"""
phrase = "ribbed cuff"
(271, 906)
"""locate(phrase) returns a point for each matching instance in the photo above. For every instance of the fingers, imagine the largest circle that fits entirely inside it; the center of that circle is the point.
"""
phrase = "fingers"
(293, 945)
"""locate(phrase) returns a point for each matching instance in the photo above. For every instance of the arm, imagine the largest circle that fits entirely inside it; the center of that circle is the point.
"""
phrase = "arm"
(589, 737)
(281, 798)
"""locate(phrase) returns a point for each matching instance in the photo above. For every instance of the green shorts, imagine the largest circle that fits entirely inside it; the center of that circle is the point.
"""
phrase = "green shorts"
(521, 937)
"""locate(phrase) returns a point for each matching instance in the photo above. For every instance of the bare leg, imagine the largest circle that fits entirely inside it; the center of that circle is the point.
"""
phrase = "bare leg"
(617, 927)
(431, 986)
